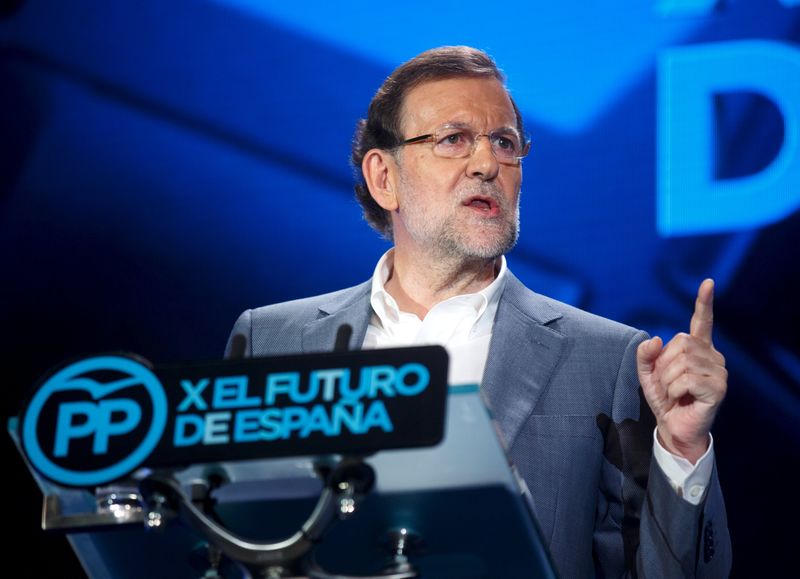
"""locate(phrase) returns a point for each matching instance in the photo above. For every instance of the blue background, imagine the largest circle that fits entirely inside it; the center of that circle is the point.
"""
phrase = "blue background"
(165, 165)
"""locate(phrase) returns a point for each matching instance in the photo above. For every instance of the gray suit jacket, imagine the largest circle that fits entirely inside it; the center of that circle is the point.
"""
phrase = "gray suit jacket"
(563, 387)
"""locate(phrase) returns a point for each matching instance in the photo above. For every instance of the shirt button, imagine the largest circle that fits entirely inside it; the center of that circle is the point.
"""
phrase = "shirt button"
(695, 491)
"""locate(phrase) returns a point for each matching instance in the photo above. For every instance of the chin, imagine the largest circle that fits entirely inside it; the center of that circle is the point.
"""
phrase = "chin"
(490, 246)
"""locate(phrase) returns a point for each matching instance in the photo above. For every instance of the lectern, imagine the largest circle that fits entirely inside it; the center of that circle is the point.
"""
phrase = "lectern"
(337, 465)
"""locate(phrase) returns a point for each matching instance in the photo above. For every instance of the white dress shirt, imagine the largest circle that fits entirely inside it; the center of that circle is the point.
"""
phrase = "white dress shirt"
(463, 325)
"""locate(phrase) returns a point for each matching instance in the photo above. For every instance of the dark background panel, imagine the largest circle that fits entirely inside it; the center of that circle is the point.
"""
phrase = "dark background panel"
(164, 166)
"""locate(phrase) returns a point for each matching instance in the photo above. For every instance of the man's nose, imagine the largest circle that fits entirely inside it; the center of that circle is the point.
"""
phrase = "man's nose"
(482, 163)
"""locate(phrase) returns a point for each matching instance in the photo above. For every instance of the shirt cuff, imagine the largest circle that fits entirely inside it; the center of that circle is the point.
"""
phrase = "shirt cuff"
(689, 480)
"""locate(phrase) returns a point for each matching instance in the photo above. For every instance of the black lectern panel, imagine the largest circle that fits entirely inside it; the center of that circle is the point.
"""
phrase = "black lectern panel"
(453, 510)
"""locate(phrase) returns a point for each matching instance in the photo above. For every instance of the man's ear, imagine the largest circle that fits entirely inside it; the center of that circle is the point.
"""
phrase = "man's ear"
(380, 170)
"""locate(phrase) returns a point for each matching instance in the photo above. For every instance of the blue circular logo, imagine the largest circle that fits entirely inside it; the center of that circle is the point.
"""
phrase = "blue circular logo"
(92, 418)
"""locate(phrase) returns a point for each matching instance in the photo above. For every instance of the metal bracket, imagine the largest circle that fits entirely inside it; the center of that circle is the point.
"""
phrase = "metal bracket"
(116, 511)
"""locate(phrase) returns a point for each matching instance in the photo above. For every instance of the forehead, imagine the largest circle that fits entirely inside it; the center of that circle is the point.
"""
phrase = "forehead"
(479, 102)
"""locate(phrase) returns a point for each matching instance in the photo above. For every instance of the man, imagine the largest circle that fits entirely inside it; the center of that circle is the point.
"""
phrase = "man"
(440, 157)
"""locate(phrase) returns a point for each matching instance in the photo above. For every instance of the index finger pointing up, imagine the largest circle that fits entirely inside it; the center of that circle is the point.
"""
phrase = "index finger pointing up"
(703, 317)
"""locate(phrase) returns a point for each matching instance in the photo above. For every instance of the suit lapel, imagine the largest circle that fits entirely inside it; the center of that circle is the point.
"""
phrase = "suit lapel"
(348, 307)
(523, 354)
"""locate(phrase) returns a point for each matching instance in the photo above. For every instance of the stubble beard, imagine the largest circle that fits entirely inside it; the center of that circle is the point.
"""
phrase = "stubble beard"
(461, 234)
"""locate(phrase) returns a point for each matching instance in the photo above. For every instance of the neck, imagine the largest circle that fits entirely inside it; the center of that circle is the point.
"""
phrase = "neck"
(417, 284)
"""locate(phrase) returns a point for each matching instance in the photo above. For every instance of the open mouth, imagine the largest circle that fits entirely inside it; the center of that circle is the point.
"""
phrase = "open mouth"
(485, 205)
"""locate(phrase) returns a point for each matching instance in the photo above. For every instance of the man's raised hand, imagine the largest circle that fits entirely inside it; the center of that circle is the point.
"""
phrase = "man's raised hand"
(685, 381)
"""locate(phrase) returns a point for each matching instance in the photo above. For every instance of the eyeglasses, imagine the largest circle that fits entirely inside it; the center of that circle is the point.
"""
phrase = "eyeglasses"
(459, 142)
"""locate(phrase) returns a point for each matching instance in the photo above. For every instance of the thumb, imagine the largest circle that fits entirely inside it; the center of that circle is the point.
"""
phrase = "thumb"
(646, 355)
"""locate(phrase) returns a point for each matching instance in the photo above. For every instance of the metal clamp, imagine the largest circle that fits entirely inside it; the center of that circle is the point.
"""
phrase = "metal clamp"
(346, 484)
(113, 507)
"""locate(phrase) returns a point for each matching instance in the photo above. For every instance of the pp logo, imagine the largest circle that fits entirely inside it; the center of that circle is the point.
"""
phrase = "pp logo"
(94, 421)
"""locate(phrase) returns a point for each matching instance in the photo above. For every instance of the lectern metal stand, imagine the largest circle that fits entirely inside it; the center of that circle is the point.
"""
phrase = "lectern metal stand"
(456, 510)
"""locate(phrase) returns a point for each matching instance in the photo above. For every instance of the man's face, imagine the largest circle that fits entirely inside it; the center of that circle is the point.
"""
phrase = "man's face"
(463, 207)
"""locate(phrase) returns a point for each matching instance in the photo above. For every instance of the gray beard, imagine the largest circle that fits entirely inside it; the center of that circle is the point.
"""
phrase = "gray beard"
(452, 240)
(453, 243)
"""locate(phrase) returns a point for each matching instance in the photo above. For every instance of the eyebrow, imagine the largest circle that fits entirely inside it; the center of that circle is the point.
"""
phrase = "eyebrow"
(461, 125)
(506, 129)
(456, 125)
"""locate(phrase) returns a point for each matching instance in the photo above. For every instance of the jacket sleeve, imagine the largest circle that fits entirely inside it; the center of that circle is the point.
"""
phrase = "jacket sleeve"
(678, 539)
(240, 341)
(643, 527)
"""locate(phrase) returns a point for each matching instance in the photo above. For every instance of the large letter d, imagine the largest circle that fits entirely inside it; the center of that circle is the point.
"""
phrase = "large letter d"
(690, 200)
